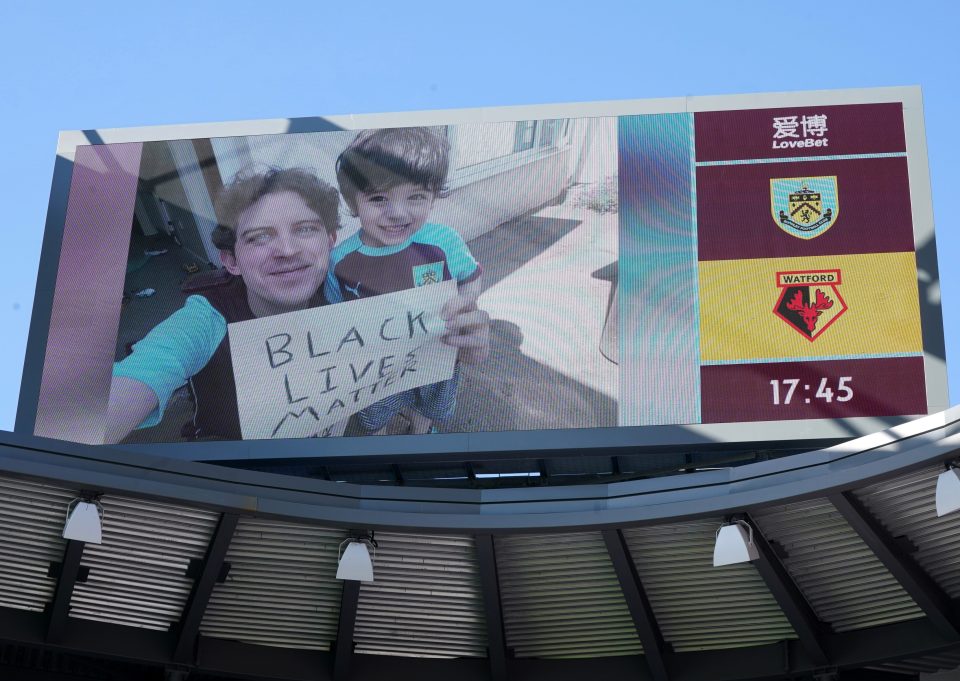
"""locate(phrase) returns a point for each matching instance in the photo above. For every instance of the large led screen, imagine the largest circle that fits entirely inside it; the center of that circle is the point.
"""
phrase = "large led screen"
(732, 269)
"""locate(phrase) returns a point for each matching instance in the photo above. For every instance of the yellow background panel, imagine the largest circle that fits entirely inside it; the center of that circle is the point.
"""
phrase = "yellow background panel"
(737, 298)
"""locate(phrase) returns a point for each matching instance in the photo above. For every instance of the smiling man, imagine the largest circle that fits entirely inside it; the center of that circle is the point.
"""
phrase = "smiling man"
(280, 249)
(276, 232)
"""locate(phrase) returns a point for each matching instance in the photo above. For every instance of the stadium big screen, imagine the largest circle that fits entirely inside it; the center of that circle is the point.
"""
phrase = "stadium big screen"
(718, 269)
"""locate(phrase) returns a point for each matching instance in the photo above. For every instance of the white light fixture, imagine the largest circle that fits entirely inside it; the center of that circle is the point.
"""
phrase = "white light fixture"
(355, 563)
(734, 544)
(948, 491)
(84, 521)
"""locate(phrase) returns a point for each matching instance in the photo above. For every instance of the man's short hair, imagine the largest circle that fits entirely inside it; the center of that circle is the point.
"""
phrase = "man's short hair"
(249, 187)
(377, 160)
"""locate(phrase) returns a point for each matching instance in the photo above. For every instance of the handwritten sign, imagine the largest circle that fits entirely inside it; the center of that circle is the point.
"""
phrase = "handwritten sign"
(299, 373)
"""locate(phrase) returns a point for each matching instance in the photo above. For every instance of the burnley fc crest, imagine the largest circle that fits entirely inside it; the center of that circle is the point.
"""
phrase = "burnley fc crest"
(804, 207)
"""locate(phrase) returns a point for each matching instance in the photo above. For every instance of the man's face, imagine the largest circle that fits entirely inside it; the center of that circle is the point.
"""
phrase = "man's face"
(282, 252)
(391, 216)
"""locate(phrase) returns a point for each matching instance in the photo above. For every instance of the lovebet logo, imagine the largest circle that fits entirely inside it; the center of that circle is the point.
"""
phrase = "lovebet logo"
(799, 132)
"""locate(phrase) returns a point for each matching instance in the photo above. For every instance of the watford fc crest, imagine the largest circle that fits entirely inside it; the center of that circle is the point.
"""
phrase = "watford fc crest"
(809, 301)
(804, 207)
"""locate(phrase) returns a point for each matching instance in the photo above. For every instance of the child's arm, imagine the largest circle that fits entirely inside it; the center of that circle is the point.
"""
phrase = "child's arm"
(468, 329)
(472, 288)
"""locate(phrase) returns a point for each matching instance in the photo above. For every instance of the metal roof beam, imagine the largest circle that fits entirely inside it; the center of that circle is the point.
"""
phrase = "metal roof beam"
(873, 646)
(203, 587)
(798, 612)
(639, 605)
(87, 637)
(343, 647)
(918, 584)
(490, 586)
(873, 675)
(60, 605)
(176, 674)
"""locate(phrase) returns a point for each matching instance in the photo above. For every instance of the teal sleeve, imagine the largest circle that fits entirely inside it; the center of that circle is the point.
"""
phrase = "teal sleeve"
(463, 266)
(331, 287)
(332, 291)
(173, 351)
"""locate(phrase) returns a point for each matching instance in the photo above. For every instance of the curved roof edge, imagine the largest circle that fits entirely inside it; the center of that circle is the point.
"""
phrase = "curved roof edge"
(858, 462)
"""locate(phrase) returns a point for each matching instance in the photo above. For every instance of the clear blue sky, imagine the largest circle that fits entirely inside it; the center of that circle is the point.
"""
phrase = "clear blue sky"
(66, 66)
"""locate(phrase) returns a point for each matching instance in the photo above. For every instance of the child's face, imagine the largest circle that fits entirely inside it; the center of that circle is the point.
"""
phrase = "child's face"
(391, 216)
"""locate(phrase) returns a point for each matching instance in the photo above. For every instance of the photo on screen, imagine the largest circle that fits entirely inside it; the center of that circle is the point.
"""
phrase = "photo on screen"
(526, 212)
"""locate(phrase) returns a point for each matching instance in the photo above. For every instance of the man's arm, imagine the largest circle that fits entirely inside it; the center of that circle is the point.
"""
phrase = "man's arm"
(131, 402)
(173, 351)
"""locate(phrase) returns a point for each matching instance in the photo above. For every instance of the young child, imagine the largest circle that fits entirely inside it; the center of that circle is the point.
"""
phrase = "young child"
(390, 179)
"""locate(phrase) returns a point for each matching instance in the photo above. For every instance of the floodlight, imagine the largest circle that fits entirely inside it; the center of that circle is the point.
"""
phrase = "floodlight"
(734, 544)
(84, 521)
(948, 491)
(355, 563)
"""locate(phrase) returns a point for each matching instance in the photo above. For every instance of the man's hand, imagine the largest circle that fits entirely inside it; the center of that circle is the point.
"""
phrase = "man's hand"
(468, 328)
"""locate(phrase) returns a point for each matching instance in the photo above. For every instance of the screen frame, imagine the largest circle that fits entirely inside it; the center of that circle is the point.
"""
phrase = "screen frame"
(510, 443)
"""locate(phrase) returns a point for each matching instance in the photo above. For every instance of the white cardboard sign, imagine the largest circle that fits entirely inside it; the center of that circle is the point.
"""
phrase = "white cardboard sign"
(299, 373)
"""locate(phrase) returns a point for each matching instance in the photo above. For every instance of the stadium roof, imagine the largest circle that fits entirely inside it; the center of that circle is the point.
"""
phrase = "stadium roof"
(210, 572)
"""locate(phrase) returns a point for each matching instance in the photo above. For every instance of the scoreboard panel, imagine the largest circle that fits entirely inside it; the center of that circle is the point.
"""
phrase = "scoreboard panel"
(670, 272)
